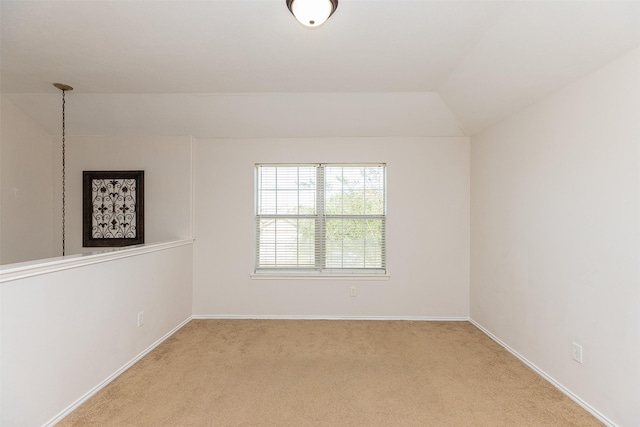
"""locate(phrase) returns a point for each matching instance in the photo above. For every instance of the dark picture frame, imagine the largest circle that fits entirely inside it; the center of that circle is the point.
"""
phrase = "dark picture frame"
(113, 208)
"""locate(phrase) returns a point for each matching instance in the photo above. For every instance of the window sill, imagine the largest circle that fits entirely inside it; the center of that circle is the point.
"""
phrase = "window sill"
(311, 276)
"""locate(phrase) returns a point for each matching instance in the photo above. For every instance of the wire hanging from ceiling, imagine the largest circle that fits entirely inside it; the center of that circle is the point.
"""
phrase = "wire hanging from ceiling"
(64, 88)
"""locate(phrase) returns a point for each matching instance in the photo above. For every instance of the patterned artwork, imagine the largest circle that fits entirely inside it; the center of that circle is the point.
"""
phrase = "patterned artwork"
(113, 211)
(114, 208)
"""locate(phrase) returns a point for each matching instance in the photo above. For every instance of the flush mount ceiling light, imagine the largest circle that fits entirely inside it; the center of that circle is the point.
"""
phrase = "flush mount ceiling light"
(312, 13)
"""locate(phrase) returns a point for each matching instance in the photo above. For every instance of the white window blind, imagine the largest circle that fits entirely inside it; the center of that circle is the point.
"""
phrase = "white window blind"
(320, 218)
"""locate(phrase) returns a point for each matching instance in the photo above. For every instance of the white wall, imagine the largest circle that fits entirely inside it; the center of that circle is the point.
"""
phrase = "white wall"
(26, 225)
(427, 230)
(65, 332)
(555, 231)
(166, 161)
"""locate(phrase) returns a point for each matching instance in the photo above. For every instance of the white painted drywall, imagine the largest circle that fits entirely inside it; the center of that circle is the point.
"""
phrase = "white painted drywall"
(427, 230)
(555, 231)
(26, 224)
(65, 332)
(166, 162)
(246, 115)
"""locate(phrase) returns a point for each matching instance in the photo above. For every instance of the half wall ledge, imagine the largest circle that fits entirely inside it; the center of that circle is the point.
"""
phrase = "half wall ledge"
(11, 272)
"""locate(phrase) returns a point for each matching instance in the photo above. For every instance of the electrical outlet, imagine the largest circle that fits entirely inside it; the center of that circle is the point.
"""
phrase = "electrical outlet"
(576, 352)
(353, 291)
(140, 319)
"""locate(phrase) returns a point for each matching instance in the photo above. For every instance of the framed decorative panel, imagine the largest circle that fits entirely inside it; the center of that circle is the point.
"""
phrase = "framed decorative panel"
(113, 208)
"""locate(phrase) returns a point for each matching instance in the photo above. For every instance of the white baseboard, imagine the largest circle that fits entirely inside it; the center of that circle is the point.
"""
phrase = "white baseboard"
(547, 377)
(112, 377)
(327, 317)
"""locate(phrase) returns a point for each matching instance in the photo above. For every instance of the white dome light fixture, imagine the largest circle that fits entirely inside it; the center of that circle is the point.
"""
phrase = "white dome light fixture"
(312, 13)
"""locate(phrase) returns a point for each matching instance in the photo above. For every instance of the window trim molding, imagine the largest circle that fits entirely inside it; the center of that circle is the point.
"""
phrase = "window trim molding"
(321, 273)
(369, 277)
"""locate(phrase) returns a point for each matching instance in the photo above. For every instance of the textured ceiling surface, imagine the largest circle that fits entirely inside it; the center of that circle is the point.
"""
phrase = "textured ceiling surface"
(376, 68)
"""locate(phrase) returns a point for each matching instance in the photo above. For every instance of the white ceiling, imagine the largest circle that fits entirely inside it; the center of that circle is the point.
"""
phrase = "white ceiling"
(246, 68)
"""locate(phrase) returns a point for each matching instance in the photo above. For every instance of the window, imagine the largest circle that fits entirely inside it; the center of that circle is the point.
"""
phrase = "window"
(320, 218)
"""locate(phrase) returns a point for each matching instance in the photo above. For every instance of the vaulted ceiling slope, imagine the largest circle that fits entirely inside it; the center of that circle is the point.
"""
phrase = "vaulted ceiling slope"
(246, 68)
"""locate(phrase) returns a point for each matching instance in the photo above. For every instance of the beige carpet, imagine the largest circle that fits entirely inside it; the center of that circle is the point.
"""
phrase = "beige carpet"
(329, 373)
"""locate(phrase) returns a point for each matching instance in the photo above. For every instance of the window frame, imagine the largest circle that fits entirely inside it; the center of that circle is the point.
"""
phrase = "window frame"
(320, 269)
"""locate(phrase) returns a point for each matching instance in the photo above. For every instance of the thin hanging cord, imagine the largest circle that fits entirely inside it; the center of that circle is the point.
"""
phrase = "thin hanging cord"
(63, 87)
(64, 164)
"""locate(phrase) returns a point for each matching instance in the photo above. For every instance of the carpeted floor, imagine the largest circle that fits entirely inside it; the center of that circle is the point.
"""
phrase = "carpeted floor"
(329, 373)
